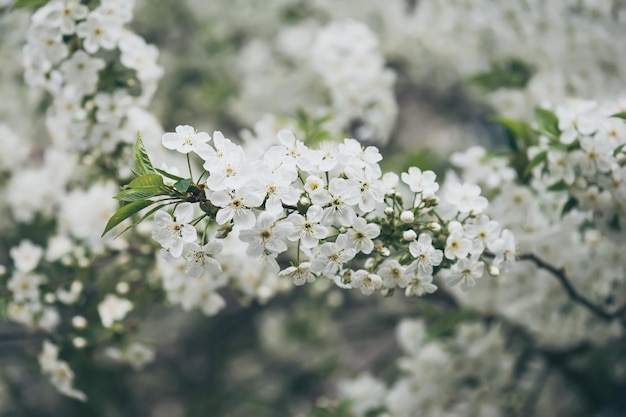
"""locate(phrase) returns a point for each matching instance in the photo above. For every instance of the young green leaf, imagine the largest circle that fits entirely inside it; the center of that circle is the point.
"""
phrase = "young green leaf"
(558, 186)
(148, 214)
(620, 115)
(125, 212)
(570, 205)
(547, 121)
(134, 194)
(21, 4)
(168, 175)
(540, 158)
(147, 180)
(141, 157)
(182, 185)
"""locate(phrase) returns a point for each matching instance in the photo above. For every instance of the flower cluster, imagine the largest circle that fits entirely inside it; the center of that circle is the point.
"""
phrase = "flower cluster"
(347, 56)
(582, 151)
(68, 53)
(332, 207)
(435, 373)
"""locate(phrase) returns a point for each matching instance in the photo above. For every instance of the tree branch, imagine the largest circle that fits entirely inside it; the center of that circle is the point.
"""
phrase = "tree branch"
(561, 276)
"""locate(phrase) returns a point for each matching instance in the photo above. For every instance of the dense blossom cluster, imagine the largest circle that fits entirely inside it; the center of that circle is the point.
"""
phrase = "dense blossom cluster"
(569, 212)
(258, 217)
(434, 375)
(68, 53)
(100, 77)
(348, 222)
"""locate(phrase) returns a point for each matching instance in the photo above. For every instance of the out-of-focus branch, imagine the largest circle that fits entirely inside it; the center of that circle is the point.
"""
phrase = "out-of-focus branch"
(561, 276)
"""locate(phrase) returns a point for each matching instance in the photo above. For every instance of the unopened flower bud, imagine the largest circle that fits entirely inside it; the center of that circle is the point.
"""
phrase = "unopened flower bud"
(389, 211)
(494, 271)
(434, 226)
(385, 252)
(79, 322)
(49, 298)
(407, 217)
(122, 287)
(79, 342)
(431, 202)
(409, 235)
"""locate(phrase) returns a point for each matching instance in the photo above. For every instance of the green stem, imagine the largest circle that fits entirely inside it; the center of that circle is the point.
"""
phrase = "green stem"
(189, 166)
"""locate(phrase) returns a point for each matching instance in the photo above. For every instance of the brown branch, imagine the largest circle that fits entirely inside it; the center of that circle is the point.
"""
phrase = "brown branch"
(561, 276)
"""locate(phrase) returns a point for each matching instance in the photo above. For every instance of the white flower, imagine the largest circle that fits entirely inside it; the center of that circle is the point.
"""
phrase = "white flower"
(332, 256)
(393, 274)
(25, 287)
(81, 70)
(354, 154)
(267, 236)
(483, 231)
(361, 233)
(71, 295)
(372, 189)
(226, 164)
(367, 282)
(61, 376)
(199, 260)
(98, 31)
(186, 139)
(236, 206)
(426, 254)
(466, 198)
(343, 195)
(307, 229)
(504, 249)
(294, 152)
(466, 271)
(457, 245)
(113, 309)
(138, 355)
(172, 234)
(26, 256)
(421, 182)
(420, 286)
(300, 274)
(276, 183)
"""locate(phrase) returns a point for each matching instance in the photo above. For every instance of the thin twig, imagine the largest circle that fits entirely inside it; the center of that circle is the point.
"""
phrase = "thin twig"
(561, 276)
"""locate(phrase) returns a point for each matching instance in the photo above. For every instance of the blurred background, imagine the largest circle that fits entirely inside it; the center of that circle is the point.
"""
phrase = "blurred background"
(433, 76)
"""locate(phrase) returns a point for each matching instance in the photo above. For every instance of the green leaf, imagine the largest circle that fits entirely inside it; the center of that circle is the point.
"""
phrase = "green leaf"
(134, 194)
(511, 73)
(141, 157)
(21, 4)
(517, 130)
(558, 186)
(547, 121)
(145, 216)
(621, 115)
(125, 212)
(538, 159)
(571, 204)
(146, 181)
(619, 149)
(182, 185)
(168, 175)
